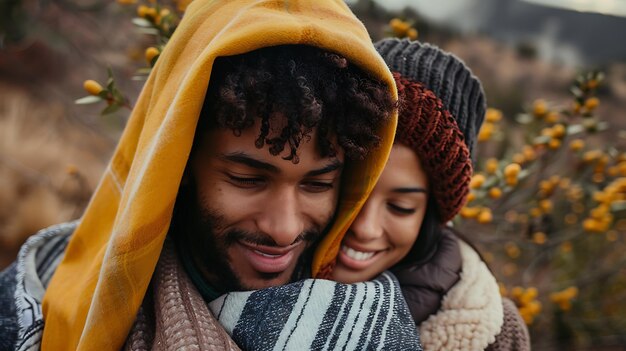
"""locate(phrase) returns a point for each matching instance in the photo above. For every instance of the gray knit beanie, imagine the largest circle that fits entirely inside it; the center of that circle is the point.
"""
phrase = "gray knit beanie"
(445, 75)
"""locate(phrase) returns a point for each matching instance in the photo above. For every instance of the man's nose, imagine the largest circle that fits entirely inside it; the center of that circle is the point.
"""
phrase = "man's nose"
(282, 217)
(367, 226)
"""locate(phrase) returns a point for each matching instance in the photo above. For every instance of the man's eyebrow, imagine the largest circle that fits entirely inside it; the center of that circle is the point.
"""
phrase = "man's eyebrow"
(247, 160)
(333, 166)
(409, 190)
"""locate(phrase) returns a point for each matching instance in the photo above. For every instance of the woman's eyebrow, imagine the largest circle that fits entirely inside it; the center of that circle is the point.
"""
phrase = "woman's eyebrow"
(409, 190)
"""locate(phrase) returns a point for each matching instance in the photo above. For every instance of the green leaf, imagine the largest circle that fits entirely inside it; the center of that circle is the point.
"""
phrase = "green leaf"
(111, 80)
(119, 97)
(144, 70)
(104, 94)
(542, 139)
(575, 129)
(524, 118)
(110, 109)
(149, 31)
(141, 22)
(576, 91)
(88, 100)
(602, 126)
(618, 206)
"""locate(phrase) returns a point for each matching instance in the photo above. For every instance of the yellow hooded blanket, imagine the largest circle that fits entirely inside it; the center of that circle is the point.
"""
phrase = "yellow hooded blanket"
(95, 294)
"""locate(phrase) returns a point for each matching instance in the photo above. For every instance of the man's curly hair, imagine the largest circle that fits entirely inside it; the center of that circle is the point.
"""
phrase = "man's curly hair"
(310, 88)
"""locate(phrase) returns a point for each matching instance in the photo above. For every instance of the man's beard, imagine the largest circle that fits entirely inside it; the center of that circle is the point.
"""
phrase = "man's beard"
(197, 232)
(215, 253)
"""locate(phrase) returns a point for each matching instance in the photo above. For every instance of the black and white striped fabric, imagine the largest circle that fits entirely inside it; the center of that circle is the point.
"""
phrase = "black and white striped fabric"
(21, 318)
(316, 314)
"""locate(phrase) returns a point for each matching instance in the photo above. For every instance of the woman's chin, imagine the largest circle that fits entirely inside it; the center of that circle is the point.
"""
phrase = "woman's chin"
(343, 274)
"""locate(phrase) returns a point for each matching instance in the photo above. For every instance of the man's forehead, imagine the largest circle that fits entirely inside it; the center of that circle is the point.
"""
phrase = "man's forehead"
(324, 166)
(224, 145)
(225, 141)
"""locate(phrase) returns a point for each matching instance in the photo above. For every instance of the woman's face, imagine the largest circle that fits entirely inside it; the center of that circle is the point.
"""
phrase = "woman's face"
(388, 225)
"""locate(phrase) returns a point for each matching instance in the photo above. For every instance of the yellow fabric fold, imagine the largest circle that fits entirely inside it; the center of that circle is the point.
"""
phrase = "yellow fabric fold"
(95, 294)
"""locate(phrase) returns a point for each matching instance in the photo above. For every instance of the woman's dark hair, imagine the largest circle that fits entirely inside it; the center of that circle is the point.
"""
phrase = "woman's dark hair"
(310, 88)
(428, 239)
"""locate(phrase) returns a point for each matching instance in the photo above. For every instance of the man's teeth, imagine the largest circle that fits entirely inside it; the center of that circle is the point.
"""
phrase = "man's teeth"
(356, 255)
(266, 254)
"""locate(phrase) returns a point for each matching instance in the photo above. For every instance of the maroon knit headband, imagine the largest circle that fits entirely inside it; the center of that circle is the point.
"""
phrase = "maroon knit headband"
(425, 126)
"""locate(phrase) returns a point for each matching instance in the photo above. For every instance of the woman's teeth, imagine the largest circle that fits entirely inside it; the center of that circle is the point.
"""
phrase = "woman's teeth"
(356, 255)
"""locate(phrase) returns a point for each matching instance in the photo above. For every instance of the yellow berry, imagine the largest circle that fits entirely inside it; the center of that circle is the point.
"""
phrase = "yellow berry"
(566, 247)
(512, 170)
(529, 295)
(592, 103)
(151, 53)
(539, 238)
(471, 197)
(534, 307)
(485, 216)
(554, 144)
(477, 181)
(493, 115)
(511, 181)
(591, 155)
(577, 144)
(412, 34)
(518, 158)
(126, 2)
(152, 12)
(469, 212)
(164, 12)
(570, 292)
(92, 87)
(495, 193)
(503, 291)
(590, 225)
(547, 132)
(399, 26)
(516, 292)
(576, 107)
(512, 250)
(529, 152)
(491, 166)
(142, 11)
(540, 108)
(485, 131)
(552, 117)
(558, 131)
(535, 212)
(546, 205)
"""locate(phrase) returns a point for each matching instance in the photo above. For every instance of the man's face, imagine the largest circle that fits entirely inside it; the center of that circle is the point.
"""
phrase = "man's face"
(257, 213)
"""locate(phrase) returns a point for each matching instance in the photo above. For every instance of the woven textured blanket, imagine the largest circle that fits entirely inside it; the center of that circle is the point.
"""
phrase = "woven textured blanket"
(316, 314)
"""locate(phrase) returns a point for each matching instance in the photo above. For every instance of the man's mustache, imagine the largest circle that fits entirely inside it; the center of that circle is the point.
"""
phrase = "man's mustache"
(236, 235)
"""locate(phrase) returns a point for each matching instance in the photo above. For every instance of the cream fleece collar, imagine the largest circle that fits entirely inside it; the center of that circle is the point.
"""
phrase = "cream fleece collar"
(471, 313)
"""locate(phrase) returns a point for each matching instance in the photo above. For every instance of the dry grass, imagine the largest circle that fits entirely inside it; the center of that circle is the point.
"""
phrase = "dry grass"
(46, 173)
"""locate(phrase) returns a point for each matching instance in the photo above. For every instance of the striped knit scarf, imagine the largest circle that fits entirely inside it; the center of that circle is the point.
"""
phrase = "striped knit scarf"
(317, 314)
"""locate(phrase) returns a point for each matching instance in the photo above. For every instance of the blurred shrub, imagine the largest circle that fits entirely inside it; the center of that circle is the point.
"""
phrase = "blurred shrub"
(551, 213)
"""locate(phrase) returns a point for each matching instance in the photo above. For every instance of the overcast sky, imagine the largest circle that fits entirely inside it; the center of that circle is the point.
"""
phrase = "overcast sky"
(445, 9)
